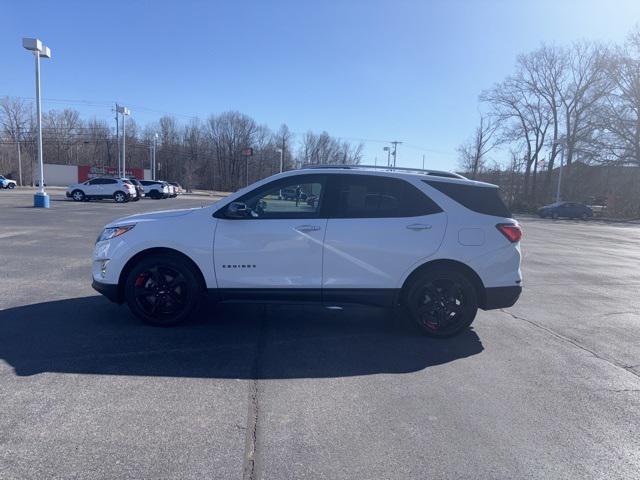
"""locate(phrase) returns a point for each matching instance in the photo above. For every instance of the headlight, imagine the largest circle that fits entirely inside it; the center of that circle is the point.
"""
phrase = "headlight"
(112, 232)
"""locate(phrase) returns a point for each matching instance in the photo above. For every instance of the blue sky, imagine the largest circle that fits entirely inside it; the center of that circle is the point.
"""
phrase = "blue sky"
(373, 70)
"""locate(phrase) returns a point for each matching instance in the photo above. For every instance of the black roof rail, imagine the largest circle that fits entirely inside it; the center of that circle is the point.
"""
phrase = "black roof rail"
(434, 173)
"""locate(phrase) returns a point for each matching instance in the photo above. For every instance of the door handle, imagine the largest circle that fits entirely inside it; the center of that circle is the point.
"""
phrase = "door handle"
(418, 226)
(308, 228)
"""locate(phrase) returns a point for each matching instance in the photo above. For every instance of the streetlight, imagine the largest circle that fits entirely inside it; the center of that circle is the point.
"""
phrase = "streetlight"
(562, 144)
(124, 111)
(40, 199)
(281, 158)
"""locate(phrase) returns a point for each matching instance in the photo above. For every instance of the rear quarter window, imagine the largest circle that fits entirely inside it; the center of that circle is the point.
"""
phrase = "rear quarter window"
(485, 200)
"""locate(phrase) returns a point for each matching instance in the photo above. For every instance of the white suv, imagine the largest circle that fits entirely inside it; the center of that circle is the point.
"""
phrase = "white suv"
(435, 243)
(155, 189)
(119, 189)
(6, 183)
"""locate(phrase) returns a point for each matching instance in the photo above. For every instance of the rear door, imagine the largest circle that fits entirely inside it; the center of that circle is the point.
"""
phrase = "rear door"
(378, 228)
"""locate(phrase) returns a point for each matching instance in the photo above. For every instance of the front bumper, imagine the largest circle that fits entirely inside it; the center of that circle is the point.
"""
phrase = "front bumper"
(109, 290)
(501, 297)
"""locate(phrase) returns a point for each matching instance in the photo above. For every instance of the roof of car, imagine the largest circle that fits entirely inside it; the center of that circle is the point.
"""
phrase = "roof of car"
(426, 175)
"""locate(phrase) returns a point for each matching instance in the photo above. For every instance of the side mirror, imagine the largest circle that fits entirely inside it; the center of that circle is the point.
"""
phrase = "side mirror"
(237, 210)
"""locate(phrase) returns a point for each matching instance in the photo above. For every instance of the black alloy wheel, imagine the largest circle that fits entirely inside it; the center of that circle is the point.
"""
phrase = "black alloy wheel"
(442, 302)
(163, 290)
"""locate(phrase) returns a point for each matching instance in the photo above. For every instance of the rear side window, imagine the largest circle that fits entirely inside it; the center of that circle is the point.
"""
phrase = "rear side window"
(485, 200)
(369, 196)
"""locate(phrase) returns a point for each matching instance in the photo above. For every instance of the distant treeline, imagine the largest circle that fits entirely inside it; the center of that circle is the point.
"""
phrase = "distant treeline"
(199, 154)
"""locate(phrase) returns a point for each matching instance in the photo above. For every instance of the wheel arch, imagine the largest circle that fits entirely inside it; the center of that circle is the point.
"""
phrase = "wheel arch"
(155, 251)
(456, 265)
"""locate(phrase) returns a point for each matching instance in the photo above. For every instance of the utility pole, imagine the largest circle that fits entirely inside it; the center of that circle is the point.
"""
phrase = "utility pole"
(395, 150)
(388, 150)
(423, 161)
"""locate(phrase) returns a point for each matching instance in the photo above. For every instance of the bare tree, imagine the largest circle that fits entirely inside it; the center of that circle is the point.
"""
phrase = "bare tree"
(523, 117)
(14, 118)
(473, 152)
(619, 116)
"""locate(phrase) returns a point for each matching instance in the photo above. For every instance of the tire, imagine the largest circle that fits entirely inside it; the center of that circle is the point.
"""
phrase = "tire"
(78, 195)
(440, 302)
(584, 217)
(555, 216)
(120, 197)
(152, 298)
(11, 186)
(154, 194)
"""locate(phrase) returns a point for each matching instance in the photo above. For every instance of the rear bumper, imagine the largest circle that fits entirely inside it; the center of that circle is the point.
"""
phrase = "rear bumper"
(109, 290)
(501, 297)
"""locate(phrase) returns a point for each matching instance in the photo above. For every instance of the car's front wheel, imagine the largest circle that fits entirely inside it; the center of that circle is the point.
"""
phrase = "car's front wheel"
(441, 302)
(78, 195)
(11, 185)
(163, 290)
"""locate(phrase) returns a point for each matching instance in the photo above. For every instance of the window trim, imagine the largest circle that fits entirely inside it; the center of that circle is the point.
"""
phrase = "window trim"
(312, 178)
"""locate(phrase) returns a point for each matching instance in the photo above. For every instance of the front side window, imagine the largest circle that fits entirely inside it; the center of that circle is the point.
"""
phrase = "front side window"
(296, 197)
(371, 196)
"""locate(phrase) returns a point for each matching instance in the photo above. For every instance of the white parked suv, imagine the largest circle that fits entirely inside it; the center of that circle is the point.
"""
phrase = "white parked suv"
(434, 243)
(155, 189)
(119, 189)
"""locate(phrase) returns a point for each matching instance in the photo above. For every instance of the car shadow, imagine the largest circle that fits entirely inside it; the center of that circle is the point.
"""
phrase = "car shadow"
(89, 335)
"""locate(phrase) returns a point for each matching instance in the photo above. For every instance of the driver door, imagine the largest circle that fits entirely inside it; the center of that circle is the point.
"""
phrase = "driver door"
(275, 249)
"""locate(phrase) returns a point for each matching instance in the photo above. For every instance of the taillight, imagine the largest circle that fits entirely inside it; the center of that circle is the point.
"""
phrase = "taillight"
(512, 231)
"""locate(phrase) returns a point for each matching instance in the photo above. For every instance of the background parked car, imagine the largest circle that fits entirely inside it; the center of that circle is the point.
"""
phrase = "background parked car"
(566, 210)
(172, 190)
(178, 188)
(119, 189)
(6, 183)
(155, 189)
(139, 189)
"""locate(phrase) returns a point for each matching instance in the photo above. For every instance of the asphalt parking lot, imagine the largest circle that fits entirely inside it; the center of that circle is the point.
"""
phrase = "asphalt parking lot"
(547, 389)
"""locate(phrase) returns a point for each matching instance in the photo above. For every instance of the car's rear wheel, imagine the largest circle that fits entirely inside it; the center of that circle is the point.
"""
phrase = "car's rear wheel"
(555, 215)
(584, 216)
(154, 194)
(78, 195)
(441, 302)
(120, 197)
(163, 290)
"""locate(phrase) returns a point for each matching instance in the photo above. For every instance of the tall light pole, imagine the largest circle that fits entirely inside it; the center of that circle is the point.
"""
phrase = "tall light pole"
(281, 158)
(153, 167)
(124, 111)
(40, 199)
(560, 142)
